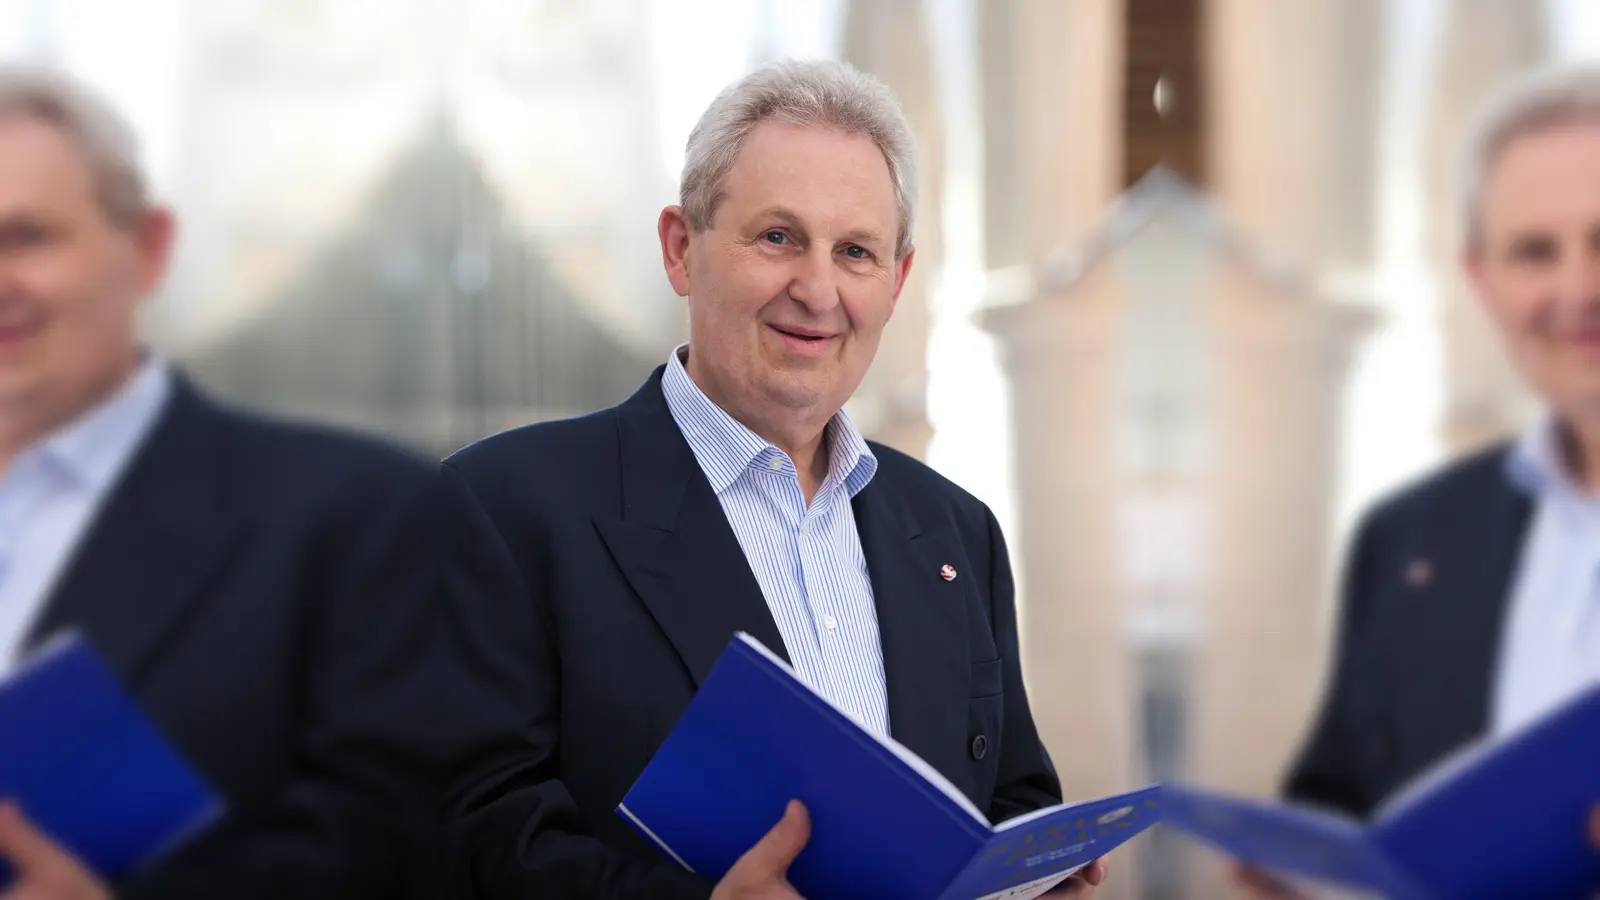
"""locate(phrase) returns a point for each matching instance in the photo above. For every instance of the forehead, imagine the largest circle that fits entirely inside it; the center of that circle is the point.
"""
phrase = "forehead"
(39, 164)
(820, 173)
(1545, 179)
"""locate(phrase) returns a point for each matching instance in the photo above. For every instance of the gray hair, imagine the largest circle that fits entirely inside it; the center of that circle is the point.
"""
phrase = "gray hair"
(103, 137)
(800, 93)
(1526, 104)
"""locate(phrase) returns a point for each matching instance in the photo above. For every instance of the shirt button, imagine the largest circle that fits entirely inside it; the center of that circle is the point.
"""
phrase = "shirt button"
(830, 623)
(805, 529)
(775, 463)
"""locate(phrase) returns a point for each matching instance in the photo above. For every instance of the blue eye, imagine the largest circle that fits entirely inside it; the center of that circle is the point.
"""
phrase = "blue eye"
(775, 237)
(856, 251)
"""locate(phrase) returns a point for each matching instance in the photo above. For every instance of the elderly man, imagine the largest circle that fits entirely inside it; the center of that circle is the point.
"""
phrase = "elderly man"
(266, 592)
(1471, 602)
(611, 557)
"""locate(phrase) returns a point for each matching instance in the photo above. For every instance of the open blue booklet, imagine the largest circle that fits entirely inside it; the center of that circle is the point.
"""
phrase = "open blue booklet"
(884, 824)
(1502, 818)
(88, 768)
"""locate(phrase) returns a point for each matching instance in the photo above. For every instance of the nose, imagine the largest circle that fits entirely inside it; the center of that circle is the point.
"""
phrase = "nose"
(815, 282)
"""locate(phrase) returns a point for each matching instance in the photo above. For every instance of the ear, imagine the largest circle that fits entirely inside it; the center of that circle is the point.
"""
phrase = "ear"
(673, 229)
(902, 271)
(154, 233)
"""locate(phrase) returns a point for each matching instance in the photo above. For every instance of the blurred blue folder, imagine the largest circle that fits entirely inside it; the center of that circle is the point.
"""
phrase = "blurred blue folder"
(1501, 819)
(884, 824)
(88, 768)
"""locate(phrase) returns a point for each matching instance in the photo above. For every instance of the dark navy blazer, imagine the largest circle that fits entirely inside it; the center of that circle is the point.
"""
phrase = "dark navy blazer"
(269, 594)
(604, 580)
(1424, 599)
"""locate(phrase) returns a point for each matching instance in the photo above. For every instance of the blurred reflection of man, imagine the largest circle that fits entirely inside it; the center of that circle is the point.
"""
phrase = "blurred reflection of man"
(264, 590)
(1471, 601)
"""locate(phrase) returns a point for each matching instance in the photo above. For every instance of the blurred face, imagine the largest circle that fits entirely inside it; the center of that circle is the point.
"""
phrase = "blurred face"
(791, 285)
(70, 279)
(1537, 265)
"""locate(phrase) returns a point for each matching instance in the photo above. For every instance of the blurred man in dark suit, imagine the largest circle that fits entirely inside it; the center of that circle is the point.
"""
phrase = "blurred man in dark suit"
(267, 592)
(612, 557)
(1471, 601)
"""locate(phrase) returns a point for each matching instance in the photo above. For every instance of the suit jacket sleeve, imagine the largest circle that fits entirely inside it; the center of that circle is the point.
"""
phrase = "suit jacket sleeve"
(358, 814)
(515, 831)
(1330, 771)
(1027, 780)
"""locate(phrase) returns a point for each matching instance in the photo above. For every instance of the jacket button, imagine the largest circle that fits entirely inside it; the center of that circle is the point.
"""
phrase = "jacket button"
(980, 746)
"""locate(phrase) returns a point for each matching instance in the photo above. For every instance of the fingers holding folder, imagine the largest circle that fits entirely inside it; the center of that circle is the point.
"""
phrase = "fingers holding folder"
(42, 869)
(1253, 884)
(1082, 884)
(763, 872)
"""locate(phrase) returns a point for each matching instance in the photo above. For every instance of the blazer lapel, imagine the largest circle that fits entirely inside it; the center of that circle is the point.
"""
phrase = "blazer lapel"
(674, 544)
(1492, 548)
(922, 624)
(1459, 611)
(146, 555)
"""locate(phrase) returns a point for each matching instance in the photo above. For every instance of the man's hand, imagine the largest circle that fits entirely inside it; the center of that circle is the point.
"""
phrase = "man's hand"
(1257, 885)
(762, 873)
(44, 871)
(1082, 883)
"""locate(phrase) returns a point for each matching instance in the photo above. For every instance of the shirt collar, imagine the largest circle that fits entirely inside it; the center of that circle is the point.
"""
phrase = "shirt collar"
(848, 453)
(1536, 463)
(93, 448)
(725, 448)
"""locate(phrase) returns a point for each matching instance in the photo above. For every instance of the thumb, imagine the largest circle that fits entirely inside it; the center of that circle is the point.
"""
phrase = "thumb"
(773, 854)
(20, 842)
(1096, 871)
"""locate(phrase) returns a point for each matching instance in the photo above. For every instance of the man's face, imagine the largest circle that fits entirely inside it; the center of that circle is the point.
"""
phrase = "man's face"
(70, 279)
(792, 283)
(1537, 263)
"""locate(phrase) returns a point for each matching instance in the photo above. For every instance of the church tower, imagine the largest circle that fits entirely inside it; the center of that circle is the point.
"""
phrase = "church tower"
(1177, 367)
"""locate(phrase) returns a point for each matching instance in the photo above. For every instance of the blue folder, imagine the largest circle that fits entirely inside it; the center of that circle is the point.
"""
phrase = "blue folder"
(1502, 818)
(88, 768)
(884, 824)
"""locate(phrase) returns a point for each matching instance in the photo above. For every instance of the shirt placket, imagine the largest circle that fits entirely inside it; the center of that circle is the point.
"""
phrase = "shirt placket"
(827, 601)
(783, 490)
(22, 491)
(1584, 651)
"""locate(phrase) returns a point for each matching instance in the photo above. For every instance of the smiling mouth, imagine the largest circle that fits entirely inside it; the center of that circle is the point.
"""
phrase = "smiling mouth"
(800, 335)
(15, 325)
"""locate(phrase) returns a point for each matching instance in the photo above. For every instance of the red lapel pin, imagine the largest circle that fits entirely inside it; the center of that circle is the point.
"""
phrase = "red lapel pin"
(947, 572)
(1419, 573)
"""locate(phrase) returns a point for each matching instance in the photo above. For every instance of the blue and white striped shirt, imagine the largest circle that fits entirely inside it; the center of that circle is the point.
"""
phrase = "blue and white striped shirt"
(49, 498)
(1551, 647)
(808, 561)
